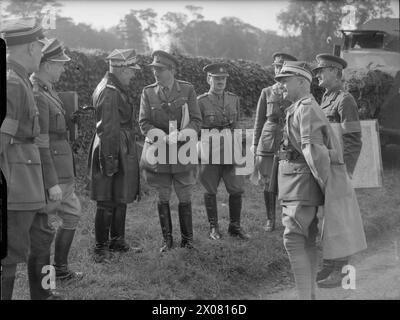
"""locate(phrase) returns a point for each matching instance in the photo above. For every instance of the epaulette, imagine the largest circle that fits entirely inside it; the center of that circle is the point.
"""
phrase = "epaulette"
(306, 101)
(202, 95)
(231, 93)
(184, 82)
(151, 85)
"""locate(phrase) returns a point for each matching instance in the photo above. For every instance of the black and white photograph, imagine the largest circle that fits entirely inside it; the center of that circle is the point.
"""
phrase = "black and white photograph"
(200, 154)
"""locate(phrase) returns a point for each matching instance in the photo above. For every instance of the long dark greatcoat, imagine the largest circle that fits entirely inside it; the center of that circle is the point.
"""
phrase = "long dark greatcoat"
(113, 164)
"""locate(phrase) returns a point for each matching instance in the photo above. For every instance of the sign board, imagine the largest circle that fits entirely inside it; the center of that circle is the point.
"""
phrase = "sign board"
(368, 170)
(70, 103)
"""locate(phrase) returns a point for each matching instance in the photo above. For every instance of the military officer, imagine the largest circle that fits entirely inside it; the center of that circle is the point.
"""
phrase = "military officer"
(28, 231)
(220, 110)
(310, 153)
(339, 106)
(113, 164)
(56, 155)
(268, 134)
(169, 107)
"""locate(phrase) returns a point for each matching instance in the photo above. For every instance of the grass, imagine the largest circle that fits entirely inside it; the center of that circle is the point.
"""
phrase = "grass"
(227, 269)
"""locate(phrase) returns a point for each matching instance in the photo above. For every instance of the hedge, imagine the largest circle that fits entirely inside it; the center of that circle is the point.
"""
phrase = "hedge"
(247, 79)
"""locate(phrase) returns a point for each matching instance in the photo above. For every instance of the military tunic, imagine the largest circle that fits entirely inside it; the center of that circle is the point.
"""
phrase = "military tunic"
(317, 177)
(157, 109)
(56, 153)
(28, 231)
(268, 125)
(113, 164)
(220, 112)
(20, 158)
(340, 107)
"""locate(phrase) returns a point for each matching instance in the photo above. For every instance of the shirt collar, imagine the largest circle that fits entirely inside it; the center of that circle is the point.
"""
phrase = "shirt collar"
(338, 86)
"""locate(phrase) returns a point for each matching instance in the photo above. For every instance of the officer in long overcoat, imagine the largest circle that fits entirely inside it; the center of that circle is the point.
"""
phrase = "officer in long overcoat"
(267, 136)
(168, 109)
(339, 106)
(113, 160)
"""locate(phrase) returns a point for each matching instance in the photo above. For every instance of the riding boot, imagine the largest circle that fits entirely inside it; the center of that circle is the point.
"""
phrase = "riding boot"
(7, 281)
(270, 205)
(235, 208)
(102, 225)
(36, 273)
(185, 221)
(164, 214)
(62, 246)
(210, 201)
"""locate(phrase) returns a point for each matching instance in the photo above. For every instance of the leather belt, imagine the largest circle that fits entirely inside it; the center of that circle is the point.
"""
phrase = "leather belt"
(290, 155)
(22, 140)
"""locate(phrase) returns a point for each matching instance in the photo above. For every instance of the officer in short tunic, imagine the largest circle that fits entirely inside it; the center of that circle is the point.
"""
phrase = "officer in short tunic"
(56, 155)
(113, 164)
(220, 111)
(28, 232)
(165, 106)
(300, 191)
(268, 134)
(339, 106)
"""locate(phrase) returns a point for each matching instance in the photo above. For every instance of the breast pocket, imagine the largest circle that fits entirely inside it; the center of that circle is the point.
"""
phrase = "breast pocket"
(296, 183)
(210, 118)
(62, 158)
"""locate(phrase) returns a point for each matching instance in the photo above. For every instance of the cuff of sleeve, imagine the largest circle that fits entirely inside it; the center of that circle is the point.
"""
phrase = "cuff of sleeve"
(10, 126)
(351, 126)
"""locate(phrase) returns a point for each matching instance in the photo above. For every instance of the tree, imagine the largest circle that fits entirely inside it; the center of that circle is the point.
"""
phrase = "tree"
(28, 8)
(315, 21)
(147, 19)
(130, 31)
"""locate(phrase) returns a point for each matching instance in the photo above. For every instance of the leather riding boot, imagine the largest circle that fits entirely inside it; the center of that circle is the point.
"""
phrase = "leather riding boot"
(327, 268)
(164, 214)
(7, 281)
(334, 279)
(235, 208)
(210, 201)
(270, 205)
(62, 246)
(117, 229)
(185, 221)
(35, 277)
(102, 224)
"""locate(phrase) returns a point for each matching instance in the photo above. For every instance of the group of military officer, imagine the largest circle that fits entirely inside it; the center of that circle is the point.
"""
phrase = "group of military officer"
(38, 165)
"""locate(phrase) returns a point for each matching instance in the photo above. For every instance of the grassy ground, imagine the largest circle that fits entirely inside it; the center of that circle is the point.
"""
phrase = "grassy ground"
(228, 269)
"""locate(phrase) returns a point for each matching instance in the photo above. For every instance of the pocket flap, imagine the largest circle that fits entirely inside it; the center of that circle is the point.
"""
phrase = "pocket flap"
(294, 168)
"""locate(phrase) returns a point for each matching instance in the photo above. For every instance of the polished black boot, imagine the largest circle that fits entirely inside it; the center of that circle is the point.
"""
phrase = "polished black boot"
(35, 277)
(270, 206)
(185, 221)
(102, 224)
(210, 201)
(62, 246)
(235, 208)
(327, 268)
(164, 214)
